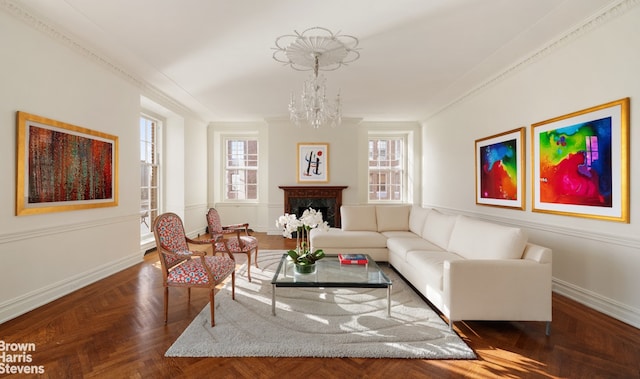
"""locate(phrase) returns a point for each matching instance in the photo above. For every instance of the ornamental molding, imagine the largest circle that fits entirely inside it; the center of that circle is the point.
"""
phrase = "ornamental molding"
(589, 24)
(29, 17)
(37, 22)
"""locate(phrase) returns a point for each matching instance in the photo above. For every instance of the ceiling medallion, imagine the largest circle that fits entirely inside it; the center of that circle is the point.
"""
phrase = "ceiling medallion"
(315, 49)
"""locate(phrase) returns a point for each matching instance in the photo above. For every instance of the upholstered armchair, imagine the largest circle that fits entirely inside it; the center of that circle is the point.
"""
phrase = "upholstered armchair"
(232, 239)
(182, 267)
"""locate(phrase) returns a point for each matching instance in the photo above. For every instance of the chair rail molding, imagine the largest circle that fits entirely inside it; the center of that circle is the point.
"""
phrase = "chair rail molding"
(594, 235)
(61, 229)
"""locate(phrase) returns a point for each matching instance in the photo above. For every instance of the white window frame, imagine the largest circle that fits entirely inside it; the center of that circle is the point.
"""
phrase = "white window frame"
(226, 168)
(403, 166)
(148, 215)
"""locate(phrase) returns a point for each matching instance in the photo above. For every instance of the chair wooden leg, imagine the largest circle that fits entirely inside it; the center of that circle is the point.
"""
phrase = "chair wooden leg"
(188, 294)
(212, 304)
(256, 260)
(249, 265)
(166, 304)
(233, 285)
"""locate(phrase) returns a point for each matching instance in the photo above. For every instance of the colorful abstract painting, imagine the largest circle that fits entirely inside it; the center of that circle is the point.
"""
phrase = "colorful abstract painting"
(581, 163)
(68, 167)
(499, 169)
(575, 164)
(499, 178)
(63, 167)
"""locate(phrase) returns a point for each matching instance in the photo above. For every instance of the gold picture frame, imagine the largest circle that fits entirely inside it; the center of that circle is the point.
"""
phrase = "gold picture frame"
(63, 167)
(500, 169)
(581, 163)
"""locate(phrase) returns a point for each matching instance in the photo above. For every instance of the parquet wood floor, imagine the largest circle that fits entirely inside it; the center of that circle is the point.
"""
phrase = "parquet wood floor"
(114, 329)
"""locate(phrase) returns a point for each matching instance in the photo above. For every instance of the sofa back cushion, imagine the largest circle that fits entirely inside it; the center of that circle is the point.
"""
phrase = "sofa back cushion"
(417, 217)
(358, 217)
(477, 239)
(437, 228)
(392, 217)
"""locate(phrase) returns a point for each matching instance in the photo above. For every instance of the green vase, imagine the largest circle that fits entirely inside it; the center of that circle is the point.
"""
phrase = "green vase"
(305, 268)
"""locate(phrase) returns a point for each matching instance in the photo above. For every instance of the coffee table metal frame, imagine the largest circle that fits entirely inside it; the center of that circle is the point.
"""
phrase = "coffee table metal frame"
(330, 273)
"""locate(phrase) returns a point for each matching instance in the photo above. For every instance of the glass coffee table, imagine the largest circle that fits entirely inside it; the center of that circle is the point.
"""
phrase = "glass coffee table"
(330, 273)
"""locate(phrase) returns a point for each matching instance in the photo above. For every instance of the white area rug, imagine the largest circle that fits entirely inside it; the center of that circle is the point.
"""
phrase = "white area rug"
(313, 322)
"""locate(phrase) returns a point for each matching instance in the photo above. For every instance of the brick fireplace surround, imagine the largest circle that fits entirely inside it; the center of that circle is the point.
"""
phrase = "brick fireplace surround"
(326, 199)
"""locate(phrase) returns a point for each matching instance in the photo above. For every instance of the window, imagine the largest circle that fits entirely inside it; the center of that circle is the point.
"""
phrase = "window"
(386, 169)
(241, 169)
(149, 169)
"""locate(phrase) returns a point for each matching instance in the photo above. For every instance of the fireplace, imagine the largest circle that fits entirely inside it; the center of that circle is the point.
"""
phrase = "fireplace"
(321, 198)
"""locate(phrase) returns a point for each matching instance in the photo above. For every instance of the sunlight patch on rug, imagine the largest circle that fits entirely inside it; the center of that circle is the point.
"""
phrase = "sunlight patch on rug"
(312, 322)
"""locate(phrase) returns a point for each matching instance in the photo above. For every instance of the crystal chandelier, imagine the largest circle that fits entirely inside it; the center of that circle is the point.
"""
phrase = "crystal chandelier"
(315, 49)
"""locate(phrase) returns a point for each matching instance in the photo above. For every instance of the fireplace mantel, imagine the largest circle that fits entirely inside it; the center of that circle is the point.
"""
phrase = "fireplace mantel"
(327, 195)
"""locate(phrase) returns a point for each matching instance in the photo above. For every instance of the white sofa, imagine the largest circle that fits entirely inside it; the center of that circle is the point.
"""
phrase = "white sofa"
(468, 268)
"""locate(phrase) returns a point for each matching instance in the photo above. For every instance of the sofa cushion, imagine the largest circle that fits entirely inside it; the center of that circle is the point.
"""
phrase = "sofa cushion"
(336, 238)
(358, 217)
(392, 217)
(430, 264)
(417, 218)
(402, 245)
(437, 228)
(399, 233)
(477, 239)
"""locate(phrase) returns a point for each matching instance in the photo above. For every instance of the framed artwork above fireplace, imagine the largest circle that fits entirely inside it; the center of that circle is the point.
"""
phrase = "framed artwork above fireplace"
(313, 162)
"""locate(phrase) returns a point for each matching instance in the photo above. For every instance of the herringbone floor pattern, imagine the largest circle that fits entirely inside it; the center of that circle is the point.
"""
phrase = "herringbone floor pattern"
(114, 329)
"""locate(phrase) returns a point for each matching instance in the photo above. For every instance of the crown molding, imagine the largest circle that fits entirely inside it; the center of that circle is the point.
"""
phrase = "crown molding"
(39, 23)
(589, 24)
(29, 17)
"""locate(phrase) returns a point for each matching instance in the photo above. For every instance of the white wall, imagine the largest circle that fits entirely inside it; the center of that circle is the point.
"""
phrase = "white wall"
(232, 212)
(45, 256)
(173, 180)
(343, 167)
(595, 262)
(195, 176)
(46, 72)
(278, 139)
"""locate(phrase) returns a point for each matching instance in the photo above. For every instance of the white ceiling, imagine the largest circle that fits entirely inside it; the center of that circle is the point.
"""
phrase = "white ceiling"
(215, 56)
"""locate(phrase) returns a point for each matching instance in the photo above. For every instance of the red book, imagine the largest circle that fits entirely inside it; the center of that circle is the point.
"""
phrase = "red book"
(353, 259)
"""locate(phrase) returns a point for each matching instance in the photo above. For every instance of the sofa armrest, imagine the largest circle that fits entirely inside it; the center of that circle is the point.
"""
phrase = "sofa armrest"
(508, 289)
(537, 253)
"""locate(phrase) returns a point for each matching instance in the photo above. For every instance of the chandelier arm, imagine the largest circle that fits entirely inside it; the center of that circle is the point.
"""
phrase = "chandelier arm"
(315, 66)
(307, 52)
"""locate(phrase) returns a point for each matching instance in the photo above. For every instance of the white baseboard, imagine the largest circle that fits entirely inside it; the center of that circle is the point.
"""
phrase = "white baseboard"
(600, 303)
(146, 245)
(15, 307)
